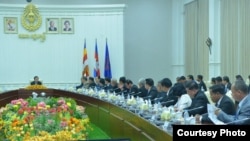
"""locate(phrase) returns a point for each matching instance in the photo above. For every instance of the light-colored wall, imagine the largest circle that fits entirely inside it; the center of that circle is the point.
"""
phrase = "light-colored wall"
(147, 35)
(148, 39)
(58, 59)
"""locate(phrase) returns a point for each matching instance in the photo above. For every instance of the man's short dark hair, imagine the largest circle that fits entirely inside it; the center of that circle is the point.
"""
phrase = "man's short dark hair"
(149, 81)
(108, 79)
(191, 85)
(122, 79)
(166, 82)
(220, 88)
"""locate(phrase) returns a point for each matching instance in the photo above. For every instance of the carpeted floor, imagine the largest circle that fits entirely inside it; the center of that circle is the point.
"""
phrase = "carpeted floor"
(95, 133)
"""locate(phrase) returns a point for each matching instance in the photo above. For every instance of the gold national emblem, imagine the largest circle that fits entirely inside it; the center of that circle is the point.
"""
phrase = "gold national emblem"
(31, 19)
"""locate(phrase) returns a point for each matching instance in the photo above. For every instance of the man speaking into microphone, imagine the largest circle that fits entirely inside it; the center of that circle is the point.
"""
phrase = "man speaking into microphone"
(199, 99)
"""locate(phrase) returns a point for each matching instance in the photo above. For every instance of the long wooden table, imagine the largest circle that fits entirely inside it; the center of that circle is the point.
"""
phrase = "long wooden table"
(117, 122)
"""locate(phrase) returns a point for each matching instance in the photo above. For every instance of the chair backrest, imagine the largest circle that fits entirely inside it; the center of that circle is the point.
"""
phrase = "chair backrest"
(208, 97)
(229, 94)
(33, 80)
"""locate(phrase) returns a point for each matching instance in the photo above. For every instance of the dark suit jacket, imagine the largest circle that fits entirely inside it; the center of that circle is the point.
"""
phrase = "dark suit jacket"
(199, 100)
(142, 92)
(34, 83)
(169, 99)
(108, 88)
(203, 86)
(226, 105)
(179, 89)
(92, 85)
(152, 94)
(115, 89)
(79, 86)
(134, 89)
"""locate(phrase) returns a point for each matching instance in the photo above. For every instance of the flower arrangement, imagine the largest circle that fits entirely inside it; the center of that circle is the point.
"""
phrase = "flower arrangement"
(144, 106)
(91, 92)
(131, 101)
(112, 97)
(102, 94)
(34, 87)
(39, 119)
(166, 115)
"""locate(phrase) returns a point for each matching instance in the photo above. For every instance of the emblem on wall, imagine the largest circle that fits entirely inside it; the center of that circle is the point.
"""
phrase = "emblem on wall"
(31, 19)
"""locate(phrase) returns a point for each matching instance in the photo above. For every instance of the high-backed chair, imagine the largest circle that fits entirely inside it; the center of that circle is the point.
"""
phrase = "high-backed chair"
(208, 97)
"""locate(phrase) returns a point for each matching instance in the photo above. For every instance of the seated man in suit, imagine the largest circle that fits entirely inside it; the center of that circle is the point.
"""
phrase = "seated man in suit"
(84, 83)
(36, 81)
(221, 101)
(169, 98)
(132, 88)
(242, 116)
(150, 87)
(199, 99)
(141, 88)
(160, 94)
(91, 82)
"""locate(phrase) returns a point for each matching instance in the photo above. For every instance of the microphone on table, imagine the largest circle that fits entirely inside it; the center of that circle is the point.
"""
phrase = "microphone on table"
(200, 107)
(115, 89)
(128, 94)
(165, 102)
(136, 93)
(239, 122)
(122, 92)
(156, 99)
(147, 97)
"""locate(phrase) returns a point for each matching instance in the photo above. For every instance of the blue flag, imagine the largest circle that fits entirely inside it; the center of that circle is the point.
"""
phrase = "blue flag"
(107, 66)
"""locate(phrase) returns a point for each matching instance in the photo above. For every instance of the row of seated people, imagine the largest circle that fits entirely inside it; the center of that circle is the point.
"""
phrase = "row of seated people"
(185, 95)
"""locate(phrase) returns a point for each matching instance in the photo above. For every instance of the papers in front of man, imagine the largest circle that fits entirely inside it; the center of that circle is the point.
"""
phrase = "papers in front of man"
(211, 114)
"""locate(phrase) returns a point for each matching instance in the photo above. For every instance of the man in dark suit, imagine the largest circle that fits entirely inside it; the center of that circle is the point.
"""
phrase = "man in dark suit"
(199, 99)
(152, 91)
(160, 94)
(202, 85)
(83, 83)
(132, 88)
(92, 84)
(179, 87)
(169, 98)
(36, 81)
(227, 83)
(108, 86)
(221, 101)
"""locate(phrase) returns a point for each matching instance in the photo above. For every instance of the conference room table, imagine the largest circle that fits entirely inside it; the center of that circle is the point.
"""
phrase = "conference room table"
(117, 121)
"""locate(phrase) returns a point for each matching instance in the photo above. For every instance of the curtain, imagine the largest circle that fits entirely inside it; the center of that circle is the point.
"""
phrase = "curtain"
(235, 32)
(196, 34)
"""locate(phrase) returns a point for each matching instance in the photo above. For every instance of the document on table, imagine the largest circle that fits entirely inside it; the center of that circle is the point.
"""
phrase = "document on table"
(212, 116)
